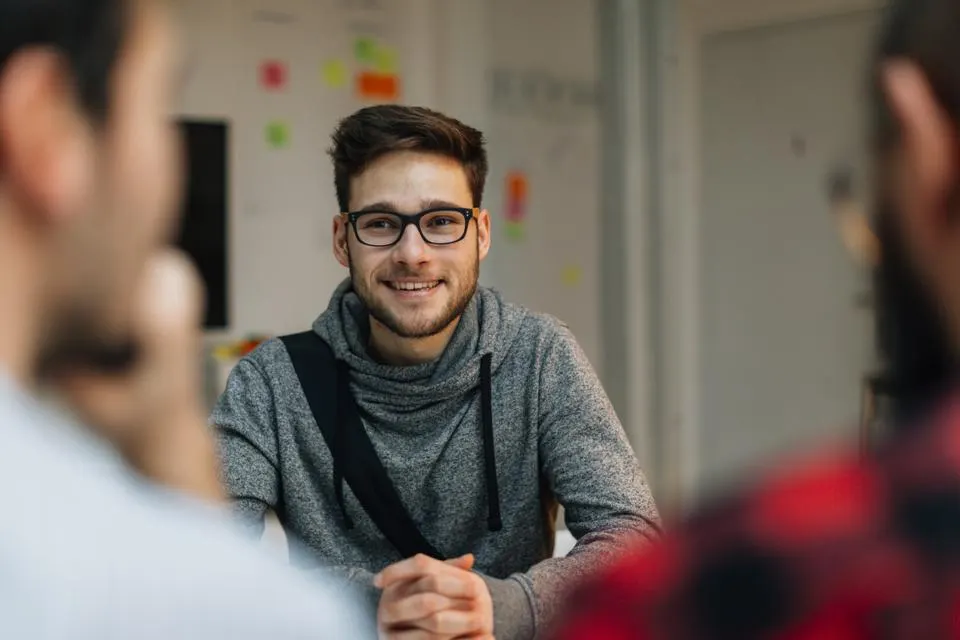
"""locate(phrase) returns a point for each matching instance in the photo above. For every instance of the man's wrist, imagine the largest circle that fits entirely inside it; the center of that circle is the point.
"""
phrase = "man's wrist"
(513, 616)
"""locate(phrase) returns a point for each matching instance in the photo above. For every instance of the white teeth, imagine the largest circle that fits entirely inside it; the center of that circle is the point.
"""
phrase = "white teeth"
(414, 286)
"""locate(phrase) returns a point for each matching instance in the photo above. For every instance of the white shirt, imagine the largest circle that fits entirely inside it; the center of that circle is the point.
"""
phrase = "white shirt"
(89, 552)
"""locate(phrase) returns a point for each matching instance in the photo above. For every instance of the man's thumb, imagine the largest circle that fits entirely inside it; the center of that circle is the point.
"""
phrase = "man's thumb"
(464, 562)
(171, 298)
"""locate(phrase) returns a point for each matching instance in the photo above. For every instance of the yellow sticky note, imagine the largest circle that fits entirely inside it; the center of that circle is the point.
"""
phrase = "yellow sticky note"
(386, 60)
(571, 276)
(334, 74)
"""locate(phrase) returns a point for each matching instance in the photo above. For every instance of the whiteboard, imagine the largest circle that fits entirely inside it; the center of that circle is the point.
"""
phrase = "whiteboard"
(282, 199)
(544, 123)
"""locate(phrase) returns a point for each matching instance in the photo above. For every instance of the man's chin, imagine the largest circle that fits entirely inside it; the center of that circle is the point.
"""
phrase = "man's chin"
(421, 325)
(413, 317)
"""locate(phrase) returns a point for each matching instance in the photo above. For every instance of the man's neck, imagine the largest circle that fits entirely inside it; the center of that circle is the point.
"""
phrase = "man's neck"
(389, 348)
(20, 301)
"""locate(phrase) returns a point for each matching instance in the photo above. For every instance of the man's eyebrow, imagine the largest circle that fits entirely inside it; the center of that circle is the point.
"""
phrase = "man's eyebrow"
(440, 204)
(389, 207)
(379, 207)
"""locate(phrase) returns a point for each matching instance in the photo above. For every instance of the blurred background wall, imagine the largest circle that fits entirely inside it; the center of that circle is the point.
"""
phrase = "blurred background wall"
(658, 180)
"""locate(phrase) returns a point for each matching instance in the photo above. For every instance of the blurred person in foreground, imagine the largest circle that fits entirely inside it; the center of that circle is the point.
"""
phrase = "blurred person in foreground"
(112, 531)
(836, 546)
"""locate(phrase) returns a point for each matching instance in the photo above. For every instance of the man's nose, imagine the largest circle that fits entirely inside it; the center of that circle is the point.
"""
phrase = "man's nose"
(411, 248)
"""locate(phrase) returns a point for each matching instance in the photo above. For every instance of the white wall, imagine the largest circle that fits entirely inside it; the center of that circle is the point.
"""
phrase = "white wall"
(282, 202)
(282, 271)
(544, 121)
(685, 24)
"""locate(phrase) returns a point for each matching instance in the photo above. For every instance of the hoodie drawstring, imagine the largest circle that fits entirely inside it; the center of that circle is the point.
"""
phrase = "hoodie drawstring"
(343, 391)
(494, 521)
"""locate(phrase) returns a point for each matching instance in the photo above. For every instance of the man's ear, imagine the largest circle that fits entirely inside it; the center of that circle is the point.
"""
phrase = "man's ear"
(928, 147)
(45, 138)
(341, 240)
(483, 233)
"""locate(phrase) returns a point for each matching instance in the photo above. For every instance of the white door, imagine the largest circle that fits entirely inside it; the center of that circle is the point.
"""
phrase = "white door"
(782, 344)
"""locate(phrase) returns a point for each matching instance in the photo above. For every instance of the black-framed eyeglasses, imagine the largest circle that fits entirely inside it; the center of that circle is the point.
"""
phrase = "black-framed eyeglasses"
(437, 226)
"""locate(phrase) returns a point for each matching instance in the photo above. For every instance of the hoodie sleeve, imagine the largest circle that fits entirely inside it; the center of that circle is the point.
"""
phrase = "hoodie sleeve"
(593, 473)
(245, 420)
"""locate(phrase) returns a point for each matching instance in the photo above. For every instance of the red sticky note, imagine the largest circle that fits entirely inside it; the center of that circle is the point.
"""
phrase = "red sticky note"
(516, 206)
(377, 86)
(273, 75)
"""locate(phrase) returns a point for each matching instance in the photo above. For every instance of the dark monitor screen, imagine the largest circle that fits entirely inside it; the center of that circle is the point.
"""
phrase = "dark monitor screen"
(203, 234)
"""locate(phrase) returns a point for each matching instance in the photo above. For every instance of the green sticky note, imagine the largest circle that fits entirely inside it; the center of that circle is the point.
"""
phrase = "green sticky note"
(386, 60)
(514, 230)
(365, 49)
(334, 74)
(278, 134)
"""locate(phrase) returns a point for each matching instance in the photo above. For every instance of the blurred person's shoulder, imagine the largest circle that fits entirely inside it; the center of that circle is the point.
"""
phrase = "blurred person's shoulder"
(88, 551)
(737, 556)
(867, 523)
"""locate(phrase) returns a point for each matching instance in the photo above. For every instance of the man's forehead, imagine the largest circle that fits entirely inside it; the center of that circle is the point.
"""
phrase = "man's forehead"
(411, 181)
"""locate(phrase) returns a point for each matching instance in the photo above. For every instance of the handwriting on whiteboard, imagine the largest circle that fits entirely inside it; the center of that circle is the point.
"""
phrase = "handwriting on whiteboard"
(362, 5)
(541, 93)
(273, 17)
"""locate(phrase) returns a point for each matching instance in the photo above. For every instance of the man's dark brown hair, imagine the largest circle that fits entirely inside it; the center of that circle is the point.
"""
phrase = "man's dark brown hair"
(375, 131)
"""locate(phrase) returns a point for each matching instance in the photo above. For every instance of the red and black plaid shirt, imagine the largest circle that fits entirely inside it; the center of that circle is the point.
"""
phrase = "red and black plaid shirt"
(833, 547)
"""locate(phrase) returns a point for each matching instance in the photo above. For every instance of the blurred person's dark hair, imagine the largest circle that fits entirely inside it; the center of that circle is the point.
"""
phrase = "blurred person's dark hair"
(88, 34)
(913, 343)
(89, 38)
(375, 131)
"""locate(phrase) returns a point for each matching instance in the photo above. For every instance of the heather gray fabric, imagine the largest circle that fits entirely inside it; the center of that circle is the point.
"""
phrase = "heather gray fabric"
(553, 427)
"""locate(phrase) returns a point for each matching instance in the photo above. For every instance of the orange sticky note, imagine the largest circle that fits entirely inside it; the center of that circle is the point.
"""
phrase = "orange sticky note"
(517, 186)
(378, 86)
(516, 204)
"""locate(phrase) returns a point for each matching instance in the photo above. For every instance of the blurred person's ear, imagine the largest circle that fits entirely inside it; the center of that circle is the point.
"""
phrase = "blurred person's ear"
(45, 139)
(927, 164)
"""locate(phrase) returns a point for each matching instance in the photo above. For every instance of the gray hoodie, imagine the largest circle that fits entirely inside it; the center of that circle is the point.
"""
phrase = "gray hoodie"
(556, 436)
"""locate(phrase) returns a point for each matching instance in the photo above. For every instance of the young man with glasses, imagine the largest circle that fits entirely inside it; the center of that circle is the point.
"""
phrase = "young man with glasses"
(419, 438)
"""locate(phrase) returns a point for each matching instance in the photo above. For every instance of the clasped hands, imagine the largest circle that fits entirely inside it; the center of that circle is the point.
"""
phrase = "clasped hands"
(428, 599)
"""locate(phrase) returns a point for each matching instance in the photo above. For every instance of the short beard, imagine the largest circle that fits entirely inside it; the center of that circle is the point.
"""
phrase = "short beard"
(80, 347)
(912, 338)
(454, 309)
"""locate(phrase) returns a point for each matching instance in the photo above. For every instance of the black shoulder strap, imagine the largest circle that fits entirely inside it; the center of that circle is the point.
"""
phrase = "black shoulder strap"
(325, 383)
